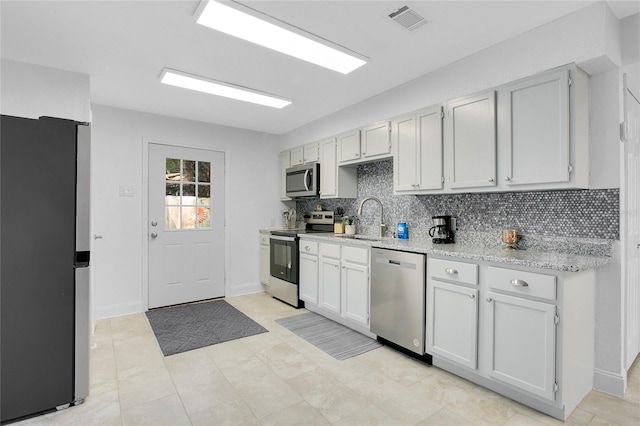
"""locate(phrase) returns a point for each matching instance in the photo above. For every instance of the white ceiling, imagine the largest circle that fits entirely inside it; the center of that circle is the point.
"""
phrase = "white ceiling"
(124, 45)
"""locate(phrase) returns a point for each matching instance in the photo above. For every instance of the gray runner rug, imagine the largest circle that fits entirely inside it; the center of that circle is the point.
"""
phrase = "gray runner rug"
(186, 327)
(335, 339)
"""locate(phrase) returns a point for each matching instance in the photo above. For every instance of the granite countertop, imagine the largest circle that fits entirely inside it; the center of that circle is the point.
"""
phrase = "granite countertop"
(559, 261)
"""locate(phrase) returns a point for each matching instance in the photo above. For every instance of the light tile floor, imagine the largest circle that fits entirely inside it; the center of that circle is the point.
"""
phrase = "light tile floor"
(277, 378)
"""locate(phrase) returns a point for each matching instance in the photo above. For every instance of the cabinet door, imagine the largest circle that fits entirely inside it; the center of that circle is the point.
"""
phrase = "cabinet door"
(522, 347)
(349, 146)
(328, 168)
(405, 153)
(376, 140)
(297, 156)
(309, 278)
(355, 292)
(311, 153)
(264, 264)
(452, 325)
(471, 141)
(429, 153)
(536, 116)
(285, 163)
(329, 286)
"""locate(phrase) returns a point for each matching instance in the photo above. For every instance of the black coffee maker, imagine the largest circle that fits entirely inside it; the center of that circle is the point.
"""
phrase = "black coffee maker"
(442, 231)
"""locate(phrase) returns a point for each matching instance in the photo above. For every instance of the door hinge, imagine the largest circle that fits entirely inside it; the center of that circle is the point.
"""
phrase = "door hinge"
(570, 81)
(556, 319)
(441, 114)
(555, 387)
(569, 168)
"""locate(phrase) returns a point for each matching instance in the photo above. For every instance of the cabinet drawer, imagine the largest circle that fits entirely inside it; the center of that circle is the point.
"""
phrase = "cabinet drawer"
(264, 239)
(355, 254)
(330, 250)
(308, 247)
(522, 283)
(451, 270)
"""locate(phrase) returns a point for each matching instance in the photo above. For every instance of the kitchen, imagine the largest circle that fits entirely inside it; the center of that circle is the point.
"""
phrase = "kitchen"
(117, 132)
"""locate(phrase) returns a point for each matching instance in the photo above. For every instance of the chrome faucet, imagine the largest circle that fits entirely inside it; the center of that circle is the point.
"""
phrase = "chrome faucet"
(382, 225)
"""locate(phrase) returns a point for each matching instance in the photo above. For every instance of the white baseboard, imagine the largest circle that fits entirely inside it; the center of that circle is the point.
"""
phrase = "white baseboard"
(119, 310)
(242, 289)
(608, 382)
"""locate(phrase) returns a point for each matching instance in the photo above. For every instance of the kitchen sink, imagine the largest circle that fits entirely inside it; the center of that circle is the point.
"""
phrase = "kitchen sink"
(362, 237)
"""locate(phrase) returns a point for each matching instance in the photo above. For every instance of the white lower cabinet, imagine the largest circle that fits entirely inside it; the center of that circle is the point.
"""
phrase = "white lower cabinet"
(265, 260)
(355, 290)
(329, 285)
(522, 343)
(453, 330)
(309, 278)
(524, 333)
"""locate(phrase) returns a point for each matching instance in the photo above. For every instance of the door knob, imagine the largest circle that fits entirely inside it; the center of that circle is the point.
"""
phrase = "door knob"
(154, 223)
(154, 235)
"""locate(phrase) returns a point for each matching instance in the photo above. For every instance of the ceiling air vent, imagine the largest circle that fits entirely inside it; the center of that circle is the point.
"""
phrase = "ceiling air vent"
(408, 18)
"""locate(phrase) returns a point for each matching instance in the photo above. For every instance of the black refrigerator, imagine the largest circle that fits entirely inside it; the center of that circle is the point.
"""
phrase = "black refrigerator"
(44, 265)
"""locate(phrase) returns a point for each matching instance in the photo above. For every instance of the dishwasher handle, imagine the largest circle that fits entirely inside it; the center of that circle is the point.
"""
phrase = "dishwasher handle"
(395, 262)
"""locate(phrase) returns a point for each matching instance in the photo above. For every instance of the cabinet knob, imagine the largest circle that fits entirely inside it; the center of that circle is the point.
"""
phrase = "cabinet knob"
(489, 299)
(472, 296)
(519, 283)
(490, 179)
(450, 271)
(307, 248)
(507, 178)
(364, 153)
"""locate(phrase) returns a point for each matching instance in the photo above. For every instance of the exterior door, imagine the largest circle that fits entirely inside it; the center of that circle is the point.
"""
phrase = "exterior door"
(186, 225)
(631, 212)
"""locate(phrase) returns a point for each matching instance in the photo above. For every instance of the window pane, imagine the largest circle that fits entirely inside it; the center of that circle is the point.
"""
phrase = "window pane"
(173, 169)
(189, 190)
(172, 217)
(189, 171)
(204, 217)
(173, 189)
(204, 194)
(204, 174)
(188, 217)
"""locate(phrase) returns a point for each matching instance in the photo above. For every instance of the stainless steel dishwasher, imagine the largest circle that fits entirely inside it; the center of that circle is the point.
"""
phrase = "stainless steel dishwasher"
(398, 298)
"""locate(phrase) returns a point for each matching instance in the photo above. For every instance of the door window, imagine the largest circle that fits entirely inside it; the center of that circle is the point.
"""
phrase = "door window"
(187, 194)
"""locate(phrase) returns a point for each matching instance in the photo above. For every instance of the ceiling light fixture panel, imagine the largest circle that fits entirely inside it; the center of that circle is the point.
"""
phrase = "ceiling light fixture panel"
(250, 25)
(219, 88)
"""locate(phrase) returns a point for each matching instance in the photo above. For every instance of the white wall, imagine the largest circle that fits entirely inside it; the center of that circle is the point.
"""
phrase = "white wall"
(32, 91)
(591, 38)
(117, 143)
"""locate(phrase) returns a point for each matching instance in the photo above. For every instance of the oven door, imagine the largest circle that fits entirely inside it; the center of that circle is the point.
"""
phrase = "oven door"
(284, 254)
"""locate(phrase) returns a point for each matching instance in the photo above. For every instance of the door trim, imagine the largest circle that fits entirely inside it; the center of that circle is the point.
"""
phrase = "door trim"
(146, 141)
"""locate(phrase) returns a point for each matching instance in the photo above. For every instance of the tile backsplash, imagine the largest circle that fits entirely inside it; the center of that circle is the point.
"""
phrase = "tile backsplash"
(573, 213)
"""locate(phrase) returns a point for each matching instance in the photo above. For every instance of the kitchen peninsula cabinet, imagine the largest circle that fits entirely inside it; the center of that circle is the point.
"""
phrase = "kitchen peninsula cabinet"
(418, 152)
(471, 141)
(335, 182)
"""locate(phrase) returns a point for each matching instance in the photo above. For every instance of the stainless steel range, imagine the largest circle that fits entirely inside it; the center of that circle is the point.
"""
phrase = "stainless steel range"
(285, 275)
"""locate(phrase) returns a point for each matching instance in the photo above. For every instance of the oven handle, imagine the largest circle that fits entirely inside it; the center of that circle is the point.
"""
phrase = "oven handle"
(281, 238)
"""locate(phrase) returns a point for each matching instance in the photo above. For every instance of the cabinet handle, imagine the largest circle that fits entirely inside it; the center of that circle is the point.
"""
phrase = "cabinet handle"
(307, 248)
(364, 153)
(450, 271)
(489, 299)
(343, 267)
(472, 296)
(519, 283)
(507, 178)
(490, 179)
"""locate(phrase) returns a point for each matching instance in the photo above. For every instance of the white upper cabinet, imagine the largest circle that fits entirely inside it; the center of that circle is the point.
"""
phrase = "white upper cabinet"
(417, 152)
(335, 182)
(304, 154)
(285, 163)
(349, 146)
(471, 141)
(297, 156)
(376, 141)
(535, 139)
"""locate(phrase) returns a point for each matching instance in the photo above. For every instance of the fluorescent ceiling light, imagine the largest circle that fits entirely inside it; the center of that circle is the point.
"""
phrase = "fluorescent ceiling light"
(201, 84)
(256, 30)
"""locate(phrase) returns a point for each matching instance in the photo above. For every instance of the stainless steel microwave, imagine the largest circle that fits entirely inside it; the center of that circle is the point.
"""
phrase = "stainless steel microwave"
(303, 181)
